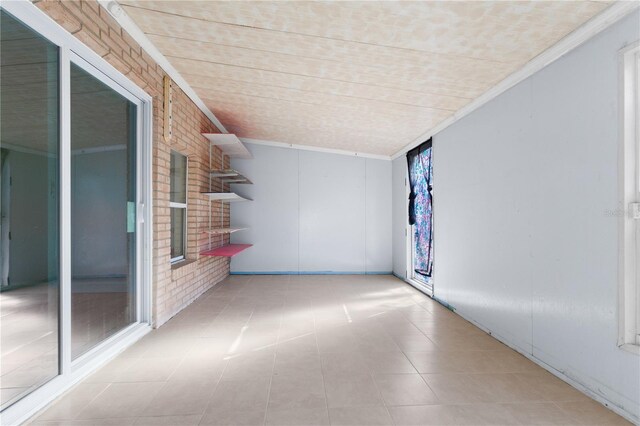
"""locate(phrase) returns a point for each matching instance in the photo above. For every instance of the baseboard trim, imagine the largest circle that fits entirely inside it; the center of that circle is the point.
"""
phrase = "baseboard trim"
(311, 273)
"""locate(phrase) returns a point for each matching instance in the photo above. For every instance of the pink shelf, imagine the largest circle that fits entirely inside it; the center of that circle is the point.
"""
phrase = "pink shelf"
(229, 250)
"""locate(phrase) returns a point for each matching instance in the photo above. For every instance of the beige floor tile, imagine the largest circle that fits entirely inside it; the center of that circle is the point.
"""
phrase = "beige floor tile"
(303, 416)
(550, 387)
(296, 344)
(424, 415)
(297, 364)
(258, 341)
(113, 371)
(388, 362)
(121, 400)
(496, 361)
(185, 328)
(343, 363)
(404, 389)
(211, 347)
(414, 343)
(121, 421)
(448, 325)
(462, 342)
(440, 361)
(360, 416)
(68, 407)
(149, 370)
(418, 315)
(336, 340)
(188, 420)
(224, 416)
(483, 415)
(397, 327)
(248, 366)
(166, 347)
(591, 413)
(352, 391)
(291, 392)
(537, 413)
(181, 398)
(507, 387)
(293, 327)
(241, 394)
(378, 341)
(509, 361)
(198, 368)
(457, 389)
(125, 369)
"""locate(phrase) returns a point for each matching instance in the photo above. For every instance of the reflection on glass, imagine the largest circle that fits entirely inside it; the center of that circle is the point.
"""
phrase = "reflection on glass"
(178, 178)
(29, 291)
(177, 233)
(103, 195)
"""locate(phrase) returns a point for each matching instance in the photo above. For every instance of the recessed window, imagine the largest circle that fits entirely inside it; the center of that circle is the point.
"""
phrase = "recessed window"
(178, 206)
(630, 213)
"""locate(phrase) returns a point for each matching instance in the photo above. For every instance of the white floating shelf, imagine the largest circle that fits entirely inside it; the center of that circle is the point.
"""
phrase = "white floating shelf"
(229, 143)
(229, 176)
(225, 196)
(216, 231)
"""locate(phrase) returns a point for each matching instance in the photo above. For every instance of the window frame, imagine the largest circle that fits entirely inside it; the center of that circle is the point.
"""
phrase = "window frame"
(629, 241)
(182, 206)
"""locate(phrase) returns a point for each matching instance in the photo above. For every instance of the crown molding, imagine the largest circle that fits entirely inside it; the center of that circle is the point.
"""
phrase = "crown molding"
(314, 148)
(118, 13)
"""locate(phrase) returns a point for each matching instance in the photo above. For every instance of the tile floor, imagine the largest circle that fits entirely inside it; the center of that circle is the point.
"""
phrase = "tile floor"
(320, 350)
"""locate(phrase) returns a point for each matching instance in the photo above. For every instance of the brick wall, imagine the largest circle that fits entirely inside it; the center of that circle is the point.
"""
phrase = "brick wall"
(173, 287)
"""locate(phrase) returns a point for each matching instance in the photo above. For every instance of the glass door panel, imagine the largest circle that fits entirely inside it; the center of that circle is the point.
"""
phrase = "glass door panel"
(103, 199)
(29, 200)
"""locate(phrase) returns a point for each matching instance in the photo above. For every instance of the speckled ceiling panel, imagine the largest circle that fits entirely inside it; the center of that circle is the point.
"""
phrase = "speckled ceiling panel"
(361, 76)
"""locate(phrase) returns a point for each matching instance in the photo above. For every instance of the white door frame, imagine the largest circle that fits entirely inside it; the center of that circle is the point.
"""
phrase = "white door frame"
(71, 50)
(629, 182)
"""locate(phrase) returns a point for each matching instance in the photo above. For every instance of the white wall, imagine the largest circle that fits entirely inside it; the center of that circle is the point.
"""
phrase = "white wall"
(524, 246)
(313, 212)
(399, 216)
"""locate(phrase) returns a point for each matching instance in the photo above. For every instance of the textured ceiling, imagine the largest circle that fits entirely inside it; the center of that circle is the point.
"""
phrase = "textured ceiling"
(360, 76)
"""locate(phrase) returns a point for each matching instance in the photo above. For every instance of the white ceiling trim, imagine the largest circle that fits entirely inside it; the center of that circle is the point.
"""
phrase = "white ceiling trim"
(314, 148)
(139, 36)
(609, 16)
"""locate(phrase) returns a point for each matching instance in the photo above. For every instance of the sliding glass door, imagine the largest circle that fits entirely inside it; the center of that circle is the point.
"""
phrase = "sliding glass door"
(29, 208)
(75, 195)
(103, 199)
